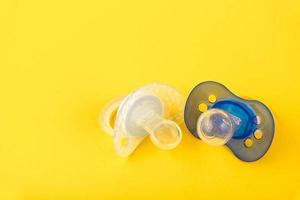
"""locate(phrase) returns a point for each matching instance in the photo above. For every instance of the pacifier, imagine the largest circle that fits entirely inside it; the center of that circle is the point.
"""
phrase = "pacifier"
(217, 116)
(154, 109)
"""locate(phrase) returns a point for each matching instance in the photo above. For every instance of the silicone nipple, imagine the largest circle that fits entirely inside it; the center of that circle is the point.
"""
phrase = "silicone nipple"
(154, 110)
(165, 134)
(215, 127)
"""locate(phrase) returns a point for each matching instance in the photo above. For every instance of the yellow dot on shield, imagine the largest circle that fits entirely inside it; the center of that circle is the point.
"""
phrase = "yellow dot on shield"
(248, 143)
(202, 107)
(258, 134)
(212, 98)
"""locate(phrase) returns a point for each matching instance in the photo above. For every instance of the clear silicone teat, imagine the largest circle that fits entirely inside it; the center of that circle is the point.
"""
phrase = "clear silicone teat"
(154, 110)
(215, 127)
(165, 134)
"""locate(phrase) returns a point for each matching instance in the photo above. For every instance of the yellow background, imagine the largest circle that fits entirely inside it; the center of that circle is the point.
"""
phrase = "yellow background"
(61, 61)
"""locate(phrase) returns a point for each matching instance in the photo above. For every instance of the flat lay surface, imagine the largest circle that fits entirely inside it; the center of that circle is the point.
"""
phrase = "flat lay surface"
(62, 61)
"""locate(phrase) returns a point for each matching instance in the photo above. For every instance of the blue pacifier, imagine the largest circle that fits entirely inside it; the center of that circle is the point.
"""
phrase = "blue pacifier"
(217, 116)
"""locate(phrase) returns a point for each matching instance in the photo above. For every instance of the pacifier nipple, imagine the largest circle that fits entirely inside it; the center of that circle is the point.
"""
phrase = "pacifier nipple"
(215, 127)
(165, 134)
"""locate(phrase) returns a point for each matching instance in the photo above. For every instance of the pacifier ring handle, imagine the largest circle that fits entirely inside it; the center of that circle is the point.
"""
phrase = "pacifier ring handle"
(125, 146)
(108, 112)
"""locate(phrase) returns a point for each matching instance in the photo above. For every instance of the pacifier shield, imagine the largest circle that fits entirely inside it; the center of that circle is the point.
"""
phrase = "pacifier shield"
(252, 139)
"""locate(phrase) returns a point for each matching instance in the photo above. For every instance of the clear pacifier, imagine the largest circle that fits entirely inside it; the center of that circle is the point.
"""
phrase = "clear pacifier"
(217, 116)
(155, 110)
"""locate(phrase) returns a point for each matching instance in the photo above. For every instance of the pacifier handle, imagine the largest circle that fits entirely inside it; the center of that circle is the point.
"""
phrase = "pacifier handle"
(109, 111)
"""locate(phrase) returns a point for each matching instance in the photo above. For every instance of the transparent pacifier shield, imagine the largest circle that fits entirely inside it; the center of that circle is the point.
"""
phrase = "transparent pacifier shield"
(215, 127)
(172, 100)
(140, 110)
(141, 107)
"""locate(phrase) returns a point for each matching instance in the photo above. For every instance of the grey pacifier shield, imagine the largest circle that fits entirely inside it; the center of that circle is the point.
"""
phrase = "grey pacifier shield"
(264, 119)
